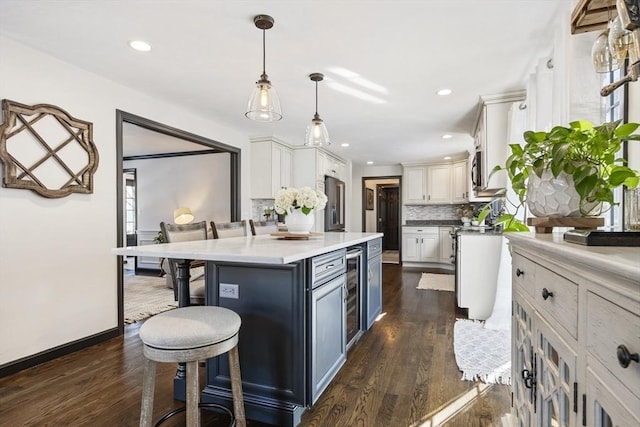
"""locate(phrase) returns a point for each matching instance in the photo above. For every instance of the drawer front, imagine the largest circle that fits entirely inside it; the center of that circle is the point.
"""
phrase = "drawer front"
(326, 267)
(608, 327)
(558, 297)
(374, 248)
(523, 274)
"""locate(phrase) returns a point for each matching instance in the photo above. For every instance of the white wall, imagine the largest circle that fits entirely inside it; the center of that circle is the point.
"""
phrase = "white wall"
(58, 279)
(200, 183)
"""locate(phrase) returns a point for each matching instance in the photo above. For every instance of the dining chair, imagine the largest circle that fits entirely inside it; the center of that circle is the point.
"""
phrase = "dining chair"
(263, 227)
(174, 233)
(222, 230)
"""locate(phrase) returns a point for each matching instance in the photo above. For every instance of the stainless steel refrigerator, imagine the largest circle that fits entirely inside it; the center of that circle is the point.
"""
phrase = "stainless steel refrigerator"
(334, 215)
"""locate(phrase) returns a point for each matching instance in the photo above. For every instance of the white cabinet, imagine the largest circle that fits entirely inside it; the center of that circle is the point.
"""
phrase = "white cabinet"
(271, 168)
(492, 136)
(420, 244)
(415, 184)
(575, 334)
(478, 259)
(310, 166)
(445, 244)
(459, 182)
(438, 184)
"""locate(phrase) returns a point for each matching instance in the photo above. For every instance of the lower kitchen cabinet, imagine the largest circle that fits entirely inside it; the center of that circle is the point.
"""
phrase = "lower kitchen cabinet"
(421, 244)
(374, 281)
(477, 264)
(328, 333)
(445, 244)
(575, 340)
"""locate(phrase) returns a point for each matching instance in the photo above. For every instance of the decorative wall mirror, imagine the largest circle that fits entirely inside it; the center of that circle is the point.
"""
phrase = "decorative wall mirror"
(46, 150)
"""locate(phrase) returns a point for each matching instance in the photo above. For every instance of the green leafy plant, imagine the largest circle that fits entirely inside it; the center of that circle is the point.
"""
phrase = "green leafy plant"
(585, 152)
(159, 237)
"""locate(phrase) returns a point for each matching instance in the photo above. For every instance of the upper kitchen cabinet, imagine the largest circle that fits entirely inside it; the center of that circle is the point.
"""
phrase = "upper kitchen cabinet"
(459, 182)
(271, 167)
(436, 184)
(331, 166)
(492, 139)
(310, 167)
(415, 184)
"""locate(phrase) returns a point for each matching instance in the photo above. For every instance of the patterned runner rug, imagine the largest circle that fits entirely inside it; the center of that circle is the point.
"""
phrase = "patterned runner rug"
(145, 296)
(482, 354)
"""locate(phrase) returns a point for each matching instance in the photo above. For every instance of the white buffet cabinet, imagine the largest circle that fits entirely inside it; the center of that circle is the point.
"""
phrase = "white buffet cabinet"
(575, 333)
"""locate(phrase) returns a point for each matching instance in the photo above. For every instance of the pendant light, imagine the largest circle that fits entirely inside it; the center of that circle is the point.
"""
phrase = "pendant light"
(264, 105)
(317, 134)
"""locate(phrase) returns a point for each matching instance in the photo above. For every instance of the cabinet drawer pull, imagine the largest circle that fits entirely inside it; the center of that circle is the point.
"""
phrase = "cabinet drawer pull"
(329, 266)
(625, 358)
(546, 294)
(519, 272)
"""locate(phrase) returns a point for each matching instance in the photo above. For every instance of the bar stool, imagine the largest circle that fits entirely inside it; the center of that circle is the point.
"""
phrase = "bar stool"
(190, 334)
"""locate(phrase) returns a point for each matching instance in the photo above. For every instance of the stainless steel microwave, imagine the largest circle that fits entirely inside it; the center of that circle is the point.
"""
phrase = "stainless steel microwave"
(476, 171)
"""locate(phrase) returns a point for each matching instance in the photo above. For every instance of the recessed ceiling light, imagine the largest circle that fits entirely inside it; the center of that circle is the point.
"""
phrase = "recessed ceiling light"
(369, 162)
(447, 136)
(140, 45)
(447, 158)
(344, 145)
(444, 92)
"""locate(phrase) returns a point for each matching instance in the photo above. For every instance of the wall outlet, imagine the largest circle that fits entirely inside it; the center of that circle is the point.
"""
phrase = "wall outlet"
(228, 290)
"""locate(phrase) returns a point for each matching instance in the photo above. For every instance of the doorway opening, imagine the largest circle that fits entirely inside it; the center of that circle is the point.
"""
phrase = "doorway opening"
(381, 213)
(163, 149)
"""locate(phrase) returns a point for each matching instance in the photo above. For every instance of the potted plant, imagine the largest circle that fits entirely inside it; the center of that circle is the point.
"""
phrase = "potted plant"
(298, 206)
(572, 169)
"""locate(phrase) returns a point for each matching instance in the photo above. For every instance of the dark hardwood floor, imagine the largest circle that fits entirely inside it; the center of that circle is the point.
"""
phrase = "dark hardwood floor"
(401, 373)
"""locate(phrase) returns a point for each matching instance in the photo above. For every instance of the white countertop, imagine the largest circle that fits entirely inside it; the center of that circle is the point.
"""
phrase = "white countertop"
(263, 249)
(615, 260)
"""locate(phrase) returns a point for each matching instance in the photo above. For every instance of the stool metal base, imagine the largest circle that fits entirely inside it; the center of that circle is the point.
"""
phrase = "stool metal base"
(176, 411)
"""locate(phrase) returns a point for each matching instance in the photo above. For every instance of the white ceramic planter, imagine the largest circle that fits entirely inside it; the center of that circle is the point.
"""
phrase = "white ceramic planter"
(299, 223)
(553, 197)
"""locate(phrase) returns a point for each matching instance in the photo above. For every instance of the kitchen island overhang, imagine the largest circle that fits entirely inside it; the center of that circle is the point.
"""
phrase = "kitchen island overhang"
(286, 292)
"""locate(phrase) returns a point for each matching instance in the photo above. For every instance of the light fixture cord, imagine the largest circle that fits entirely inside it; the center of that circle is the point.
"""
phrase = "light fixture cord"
(316, 98)
(264, 53)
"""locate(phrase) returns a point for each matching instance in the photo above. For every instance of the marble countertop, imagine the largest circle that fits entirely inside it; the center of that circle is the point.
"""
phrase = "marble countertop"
(263, 249)
(614, 260)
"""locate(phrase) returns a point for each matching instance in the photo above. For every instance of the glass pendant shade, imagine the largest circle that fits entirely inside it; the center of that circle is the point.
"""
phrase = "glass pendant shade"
(603, 60)
(317, 134)
(619, 40)
(264, 104)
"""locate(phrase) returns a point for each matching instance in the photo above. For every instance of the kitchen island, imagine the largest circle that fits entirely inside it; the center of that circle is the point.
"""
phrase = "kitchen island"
(291, 297)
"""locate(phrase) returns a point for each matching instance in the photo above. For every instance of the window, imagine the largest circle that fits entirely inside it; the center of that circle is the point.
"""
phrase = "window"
(130, 204)
(612, 110)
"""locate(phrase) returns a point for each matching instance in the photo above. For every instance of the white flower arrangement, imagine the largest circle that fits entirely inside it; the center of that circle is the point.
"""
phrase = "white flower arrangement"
(305, 199)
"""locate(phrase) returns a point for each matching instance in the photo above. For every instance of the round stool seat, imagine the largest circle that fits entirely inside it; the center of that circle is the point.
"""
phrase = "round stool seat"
(189, 328)
(188, 335)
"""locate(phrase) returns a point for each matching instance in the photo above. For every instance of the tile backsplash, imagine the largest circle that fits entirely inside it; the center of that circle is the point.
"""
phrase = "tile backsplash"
(423, 212)
(258, 206)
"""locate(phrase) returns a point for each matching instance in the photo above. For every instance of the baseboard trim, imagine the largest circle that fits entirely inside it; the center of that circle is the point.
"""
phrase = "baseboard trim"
(55, 352)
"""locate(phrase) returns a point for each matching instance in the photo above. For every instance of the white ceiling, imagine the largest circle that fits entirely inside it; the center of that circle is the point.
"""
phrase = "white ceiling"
(207, 54)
